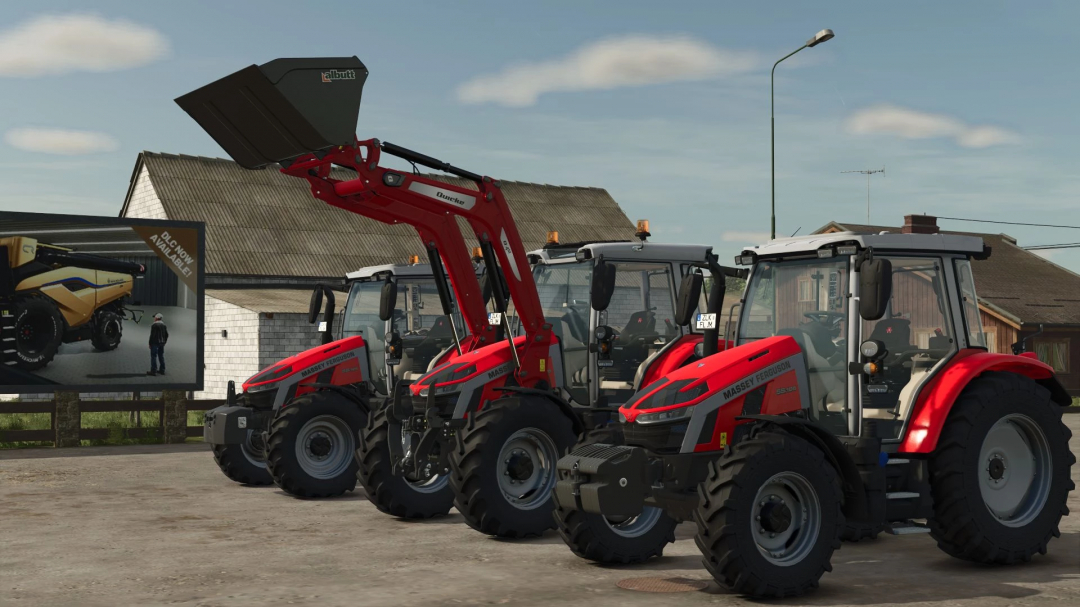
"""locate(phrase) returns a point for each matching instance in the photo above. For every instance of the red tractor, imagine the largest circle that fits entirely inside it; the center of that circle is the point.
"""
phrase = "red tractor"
(861, 397)
(316, 402)
(368, 357)
(482, 432)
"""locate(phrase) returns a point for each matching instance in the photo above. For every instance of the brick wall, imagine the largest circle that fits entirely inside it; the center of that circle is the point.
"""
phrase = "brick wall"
(285, 335)
(234, 357)
(144, 200)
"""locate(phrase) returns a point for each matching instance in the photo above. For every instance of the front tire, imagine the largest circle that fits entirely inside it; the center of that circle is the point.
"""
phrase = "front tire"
(769, 516)
(39, 329)
(312, 445)
(1000, 473)
(393, 493)
(244, 463)
(604, 540)
(107, 330)
(503, 469)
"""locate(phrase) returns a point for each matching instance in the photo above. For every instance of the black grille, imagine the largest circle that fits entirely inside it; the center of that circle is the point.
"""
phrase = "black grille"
(658, 438)
(258, 400)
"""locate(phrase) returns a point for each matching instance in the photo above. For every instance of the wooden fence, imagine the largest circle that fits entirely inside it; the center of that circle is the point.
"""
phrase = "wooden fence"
(65, 419)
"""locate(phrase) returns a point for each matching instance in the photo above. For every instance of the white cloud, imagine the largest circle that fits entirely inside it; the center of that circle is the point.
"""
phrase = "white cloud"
(913, 124)
(745, 237)
(60, 141)
(607, 64)
(59, 44)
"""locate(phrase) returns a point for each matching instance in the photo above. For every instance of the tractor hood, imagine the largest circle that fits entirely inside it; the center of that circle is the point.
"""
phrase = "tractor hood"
(725, 377)
(481, 366)
(305, 364)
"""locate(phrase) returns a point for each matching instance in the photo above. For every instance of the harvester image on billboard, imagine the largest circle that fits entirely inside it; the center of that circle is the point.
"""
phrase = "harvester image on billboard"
(85, 301)
(63, 297)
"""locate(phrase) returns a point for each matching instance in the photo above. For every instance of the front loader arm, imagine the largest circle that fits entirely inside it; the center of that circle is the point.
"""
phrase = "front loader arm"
(408, 197)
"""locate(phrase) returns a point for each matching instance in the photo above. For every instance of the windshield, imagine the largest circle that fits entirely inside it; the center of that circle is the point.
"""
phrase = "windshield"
(418, 319)
(564, 297)
(786, 295)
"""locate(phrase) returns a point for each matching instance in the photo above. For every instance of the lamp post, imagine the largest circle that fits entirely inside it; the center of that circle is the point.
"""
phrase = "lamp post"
(822, 36)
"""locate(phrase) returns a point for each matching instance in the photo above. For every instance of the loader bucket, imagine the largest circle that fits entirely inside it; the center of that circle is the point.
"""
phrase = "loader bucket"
(277, 111)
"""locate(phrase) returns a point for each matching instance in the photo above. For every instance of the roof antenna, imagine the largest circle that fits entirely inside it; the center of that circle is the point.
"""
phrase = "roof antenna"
(796, 232)
(868, 173)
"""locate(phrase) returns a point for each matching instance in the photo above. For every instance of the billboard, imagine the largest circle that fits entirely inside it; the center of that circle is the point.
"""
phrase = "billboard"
(99, 304)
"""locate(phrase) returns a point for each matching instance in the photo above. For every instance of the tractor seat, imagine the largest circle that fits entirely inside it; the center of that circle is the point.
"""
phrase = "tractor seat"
(640, 324)
(895, 333)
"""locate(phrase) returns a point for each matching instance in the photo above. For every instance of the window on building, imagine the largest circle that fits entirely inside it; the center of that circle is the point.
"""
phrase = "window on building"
(1054, 352)
(990, 339)
(806, 289)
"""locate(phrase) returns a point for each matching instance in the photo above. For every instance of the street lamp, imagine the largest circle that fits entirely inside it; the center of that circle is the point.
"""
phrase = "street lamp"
(822, 36)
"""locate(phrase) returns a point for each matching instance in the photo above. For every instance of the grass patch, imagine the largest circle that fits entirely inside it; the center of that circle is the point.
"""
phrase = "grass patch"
(116, 422)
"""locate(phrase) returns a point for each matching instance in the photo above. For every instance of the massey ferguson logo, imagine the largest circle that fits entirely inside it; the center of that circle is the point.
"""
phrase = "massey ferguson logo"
(332, 75)
(758, 378)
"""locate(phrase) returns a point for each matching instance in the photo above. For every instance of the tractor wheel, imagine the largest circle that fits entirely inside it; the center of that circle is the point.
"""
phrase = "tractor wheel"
(621, 540)
(244, 463)
(39, 329)
(311, 451)
(503, 468)
(106, 331)
(1000, 474)
(393, 493)
(769, 516)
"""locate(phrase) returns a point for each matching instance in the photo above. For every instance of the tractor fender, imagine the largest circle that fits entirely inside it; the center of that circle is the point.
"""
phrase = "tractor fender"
(936, 398)
(567, 409)
(855, 501)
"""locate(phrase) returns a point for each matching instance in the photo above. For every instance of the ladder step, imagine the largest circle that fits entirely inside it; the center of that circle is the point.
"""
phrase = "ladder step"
(898, 461)
(901, 495)
(907, 528)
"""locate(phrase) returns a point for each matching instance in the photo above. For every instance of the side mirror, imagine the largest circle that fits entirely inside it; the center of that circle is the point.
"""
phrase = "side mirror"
(603, 285)
(875, 287)
(316, 305)
(689, 294)
(388, 300)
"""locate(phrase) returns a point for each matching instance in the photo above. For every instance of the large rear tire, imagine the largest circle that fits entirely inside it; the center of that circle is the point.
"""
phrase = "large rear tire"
(503, 468)
(769, 516)
(39, 329)
(1000, 473)
(244, 463)
(107, 330)
(393, 493)
(312, 445)
(613, 541)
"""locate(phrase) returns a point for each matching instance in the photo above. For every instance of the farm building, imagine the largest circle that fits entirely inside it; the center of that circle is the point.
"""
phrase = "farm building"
(1020, 294)
(268, 241)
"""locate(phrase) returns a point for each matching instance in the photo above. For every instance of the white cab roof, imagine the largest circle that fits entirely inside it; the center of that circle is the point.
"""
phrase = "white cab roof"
(649, 251)
(885, 241)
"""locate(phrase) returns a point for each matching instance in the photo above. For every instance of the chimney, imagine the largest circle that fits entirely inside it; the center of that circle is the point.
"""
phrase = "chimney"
(920, 224)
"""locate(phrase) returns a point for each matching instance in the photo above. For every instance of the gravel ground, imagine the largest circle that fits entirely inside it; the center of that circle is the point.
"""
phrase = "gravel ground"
(160, 525)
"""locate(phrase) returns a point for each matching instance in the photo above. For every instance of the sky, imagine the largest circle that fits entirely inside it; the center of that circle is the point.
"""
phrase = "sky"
(968, 106)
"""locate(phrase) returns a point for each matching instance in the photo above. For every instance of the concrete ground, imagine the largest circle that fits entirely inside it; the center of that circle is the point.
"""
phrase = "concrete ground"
(79, 363)
(157, 525)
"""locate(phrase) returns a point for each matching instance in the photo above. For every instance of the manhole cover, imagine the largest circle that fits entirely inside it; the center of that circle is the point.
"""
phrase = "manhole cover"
(662, 584)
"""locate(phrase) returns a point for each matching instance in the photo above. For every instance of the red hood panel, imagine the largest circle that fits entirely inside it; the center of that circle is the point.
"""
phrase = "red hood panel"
(309, 357)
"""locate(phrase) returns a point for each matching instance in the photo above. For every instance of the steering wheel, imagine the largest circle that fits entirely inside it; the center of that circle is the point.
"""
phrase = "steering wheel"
(829, 319)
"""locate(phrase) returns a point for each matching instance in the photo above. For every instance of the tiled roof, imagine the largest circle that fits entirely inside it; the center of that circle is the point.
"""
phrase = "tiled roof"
(1018, 284)
(294, 301)
(265, 223)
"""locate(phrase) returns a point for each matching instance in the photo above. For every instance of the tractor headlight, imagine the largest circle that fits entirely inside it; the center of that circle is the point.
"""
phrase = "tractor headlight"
(872, 349)
(664, 416)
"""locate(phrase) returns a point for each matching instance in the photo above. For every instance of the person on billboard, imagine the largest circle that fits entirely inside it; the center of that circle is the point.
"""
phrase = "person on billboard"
(159, 334)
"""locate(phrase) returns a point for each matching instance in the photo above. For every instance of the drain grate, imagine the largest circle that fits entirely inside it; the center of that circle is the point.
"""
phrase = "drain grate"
(662, 584)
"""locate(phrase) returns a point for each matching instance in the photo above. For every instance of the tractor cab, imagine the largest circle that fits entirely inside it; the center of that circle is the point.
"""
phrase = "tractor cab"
(416, 334)
(867, 354)
(613, 328)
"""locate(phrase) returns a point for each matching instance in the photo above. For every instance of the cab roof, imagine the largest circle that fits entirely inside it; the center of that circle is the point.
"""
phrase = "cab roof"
(630, 250)
(885, 241)
(421, 270)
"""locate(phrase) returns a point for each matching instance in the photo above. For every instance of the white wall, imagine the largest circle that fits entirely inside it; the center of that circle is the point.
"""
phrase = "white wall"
(145, 203)
(235, 357)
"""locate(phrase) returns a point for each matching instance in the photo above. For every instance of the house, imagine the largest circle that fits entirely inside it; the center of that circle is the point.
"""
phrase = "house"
(1021, 296)
(268, 241)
